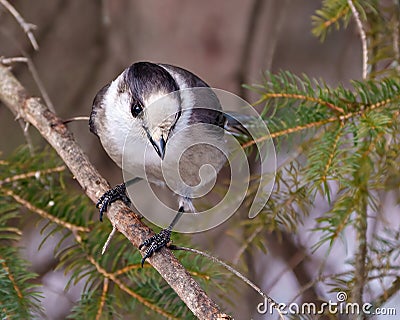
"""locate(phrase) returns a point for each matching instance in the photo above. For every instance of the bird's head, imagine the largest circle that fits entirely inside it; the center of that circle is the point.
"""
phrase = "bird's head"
(143, 98)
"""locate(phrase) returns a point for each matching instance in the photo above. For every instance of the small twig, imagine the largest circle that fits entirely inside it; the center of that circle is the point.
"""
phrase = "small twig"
(31, 174)
(27, 27)
(35, 75)
(25, 131)
(363, 38)
(107, 243)
(80, 118)
(235, 272)
(11, 60)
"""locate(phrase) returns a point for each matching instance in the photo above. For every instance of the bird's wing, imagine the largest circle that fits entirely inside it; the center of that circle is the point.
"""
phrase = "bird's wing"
(206, 108)
(236, 123)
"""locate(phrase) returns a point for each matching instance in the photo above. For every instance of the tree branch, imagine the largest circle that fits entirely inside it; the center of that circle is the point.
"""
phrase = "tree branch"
(52, 128)
(27, 27)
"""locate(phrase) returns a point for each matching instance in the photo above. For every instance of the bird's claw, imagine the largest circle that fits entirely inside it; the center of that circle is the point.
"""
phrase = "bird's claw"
(112, 195)
(155, 243)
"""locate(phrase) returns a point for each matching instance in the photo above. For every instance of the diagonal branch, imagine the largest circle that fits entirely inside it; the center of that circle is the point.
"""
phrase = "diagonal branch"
(52, 128)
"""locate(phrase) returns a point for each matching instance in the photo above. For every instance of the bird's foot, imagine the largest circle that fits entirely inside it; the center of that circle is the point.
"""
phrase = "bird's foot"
(155, 243)
(112, 195)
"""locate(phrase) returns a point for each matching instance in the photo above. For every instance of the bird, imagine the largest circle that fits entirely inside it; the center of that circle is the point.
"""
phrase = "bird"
(162, 107)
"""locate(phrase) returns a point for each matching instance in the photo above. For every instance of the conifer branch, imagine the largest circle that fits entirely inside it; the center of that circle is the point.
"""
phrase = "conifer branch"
(32, 174)
(52, 128)
(332, 152)
(320, 123)
(300, 97)
(388, 293)
(11, 277)
(19, 296)
(328, 16)
(342, 225)
(44, 214)
(335, 19)
(125, 288)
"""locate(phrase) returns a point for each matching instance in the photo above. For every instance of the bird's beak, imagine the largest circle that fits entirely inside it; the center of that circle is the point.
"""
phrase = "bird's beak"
(159, 146)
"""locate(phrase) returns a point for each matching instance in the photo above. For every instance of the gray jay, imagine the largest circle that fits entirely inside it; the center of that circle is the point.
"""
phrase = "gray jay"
(124, 105)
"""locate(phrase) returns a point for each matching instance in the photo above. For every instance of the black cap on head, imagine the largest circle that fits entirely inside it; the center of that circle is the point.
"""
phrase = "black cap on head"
(145, 78)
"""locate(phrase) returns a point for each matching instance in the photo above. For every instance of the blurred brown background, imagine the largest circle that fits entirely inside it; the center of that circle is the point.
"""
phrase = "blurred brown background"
(85, 44)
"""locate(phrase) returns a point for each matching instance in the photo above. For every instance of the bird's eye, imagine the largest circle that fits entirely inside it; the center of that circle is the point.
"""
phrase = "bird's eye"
(136, 109)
